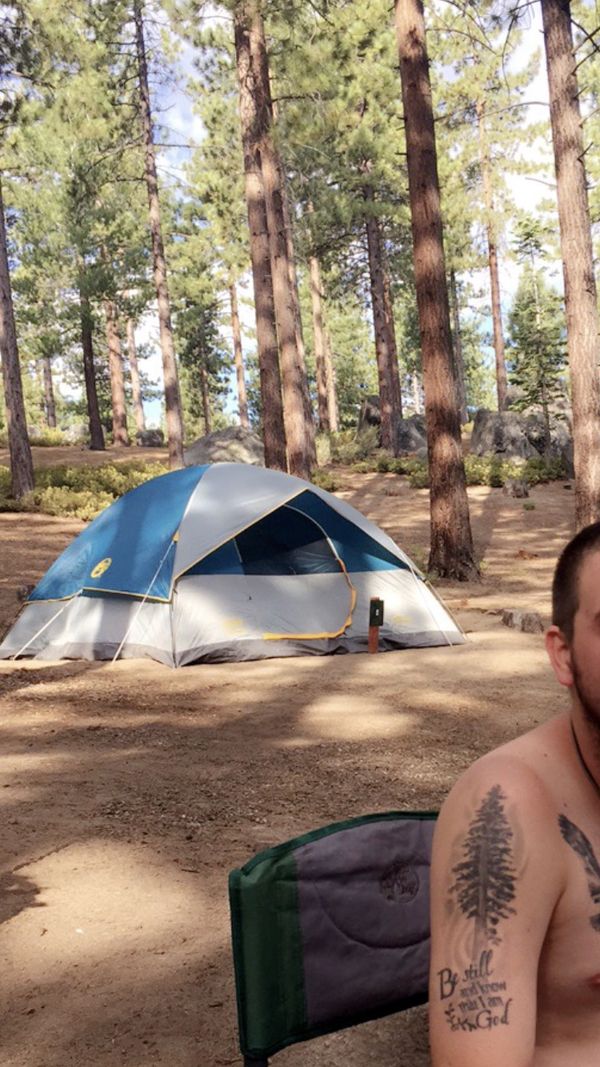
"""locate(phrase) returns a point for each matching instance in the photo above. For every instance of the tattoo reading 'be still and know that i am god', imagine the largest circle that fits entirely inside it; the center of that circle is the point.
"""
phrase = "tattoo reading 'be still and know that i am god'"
(475, 998)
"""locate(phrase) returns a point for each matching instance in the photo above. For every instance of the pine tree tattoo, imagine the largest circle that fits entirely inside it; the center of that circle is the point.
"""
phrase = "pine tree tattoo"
(485, 879)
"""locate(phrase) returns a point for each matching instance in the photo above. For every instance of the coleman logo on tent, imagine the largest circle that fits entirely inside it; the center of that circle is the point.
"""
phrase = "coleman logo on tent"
(101, 568)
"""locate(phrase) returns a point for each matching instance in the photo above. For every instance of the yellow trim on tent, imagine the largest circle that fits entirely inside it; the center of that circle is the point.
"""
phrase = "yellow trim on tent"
(93, 589)
(317, 637)
(230, 537)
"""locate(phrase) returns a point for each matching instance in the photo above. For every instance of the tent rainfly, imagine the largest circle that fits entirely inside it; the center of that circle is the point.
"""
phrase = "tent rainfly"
(226, 562)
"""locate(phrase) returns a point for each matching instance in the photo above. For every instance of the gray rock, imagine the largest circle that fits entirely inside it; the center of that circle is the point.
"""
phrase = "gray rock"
(233, 445)
(529, 622)
(514, 435)
(152, 438)
(516, 487)
(412, 435)
(77, 434)
(370, 413)
(501, 433)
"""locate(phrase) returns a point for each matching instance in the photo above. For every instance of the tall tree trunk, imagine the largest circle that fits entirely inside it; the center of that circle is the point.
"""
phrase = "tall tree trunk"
(490, 227)
(117, 385)
(319, 345)
(578, 264)
(49, 404)
(171, 380)
(391, 331)
(238, 357)
(416, 391)
(332, 405)
(452, 554)
(299, 429)
(459, 363)
(89, 372)
(388, 391)
(205, 394)
(21, 462)
(293, 277)
(260, 254)
(134, 370)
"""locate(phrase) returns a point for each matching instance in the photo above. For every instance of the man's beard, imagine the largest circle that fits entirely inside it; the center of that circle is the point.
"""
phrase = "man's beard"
(590, 702)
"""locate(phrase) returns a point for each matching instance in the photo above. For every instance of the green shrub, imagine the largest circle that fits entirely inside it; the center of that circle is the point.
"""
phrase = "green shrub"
(324, 480)
(383, 462)
(348, 447)
(543, 470)
(418, 474)
(323, 448)
(529, 506)
(493, 471)
(60, 500)
(48, 438)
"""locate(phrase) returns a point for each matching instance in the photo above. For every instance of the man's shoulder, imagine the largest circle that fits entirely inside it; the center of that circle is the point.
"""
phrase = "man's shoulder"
(518, 774)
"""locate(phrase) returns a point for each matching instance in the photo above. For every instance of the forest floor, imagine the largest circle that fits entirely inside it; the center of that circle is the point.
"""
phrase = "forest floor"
(129, 791)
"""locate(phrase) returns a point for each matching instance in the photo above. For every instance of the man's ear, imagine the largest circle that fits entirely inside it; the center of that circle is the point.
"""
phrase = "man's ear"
(559, 652)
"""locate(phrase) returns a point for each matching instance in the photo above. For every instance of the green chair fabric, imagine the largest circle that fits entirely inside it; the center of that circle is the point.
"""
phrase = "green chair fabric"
(331, 929)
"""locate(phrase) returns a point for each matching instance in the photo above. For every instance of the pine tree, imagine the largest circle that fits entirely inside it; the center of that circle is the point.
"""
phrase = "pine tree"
(451, 539)
(583, 326)
(171, 381)
(537, 330)
(485, 879)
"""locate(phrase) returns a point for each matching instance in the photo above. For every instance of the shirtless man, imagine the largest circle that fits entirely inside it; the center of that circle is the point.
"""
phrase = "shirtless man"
(515, 972)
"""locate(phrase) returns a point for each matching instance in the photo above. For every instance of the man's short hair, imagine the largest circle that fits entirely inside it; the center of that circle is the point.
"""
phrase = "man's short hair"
(565, 586)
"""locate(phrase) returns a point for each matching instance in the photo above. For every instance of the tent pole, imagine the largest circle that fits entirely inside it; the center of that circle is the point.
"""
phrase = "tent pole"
(142, 602)
(41, 630)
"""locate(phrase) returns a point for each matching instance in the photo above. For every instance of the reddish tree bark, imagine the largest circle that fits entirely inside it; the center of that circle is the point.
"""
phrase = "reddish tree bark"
(490, 227)
(332, 404)
(388, 382)
(117, 384)
(89, 372)
(238, 357)
(451, 553)
(49, 402)
(299, 430)
(459, 363)
(577, 255)
(136, 390)
(174, 418)
(260, 254)
(21, 462)
(319, 345)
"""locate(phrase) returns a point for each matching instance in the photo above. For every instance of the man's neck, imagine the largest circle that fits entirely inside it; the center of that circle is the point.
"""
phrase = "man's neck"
(586, 739)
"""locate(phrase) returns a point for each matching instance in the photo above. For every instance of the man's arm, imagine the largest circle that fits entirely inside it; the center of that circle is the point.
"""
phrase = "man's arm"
(495, 881)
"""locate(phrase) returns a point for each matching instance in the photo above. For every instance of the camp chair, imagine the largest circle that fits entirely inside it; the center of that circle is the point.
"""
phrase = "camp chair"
(331, 929)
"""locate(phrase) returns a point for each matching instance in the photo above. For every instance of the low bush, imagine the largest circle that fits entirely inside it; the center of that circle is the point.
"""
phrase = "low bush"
(324, 480)
(348, 447)
(48, 438)
(79, 492)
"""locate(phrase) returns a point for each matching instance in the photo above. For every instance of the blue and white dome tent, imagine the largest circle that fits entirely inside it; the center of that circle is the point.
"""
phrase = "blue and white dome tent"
(226, 562)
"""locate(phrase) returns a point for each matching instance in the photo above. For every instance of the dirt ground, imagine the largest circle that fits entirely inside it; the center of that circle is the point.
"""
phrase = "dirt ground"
(129, 791)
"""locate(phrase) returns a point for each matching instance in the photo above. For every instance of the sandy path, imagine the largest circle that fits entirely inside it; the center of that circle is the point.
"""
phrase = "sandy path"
(129, 791)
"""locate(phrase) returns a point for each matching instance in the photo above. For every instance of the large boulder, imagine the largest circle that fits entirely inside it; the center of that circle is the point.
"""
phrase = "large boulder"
(521, 436)
(501, 433)
(411, 435)
(151, 438)
(233, 445)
